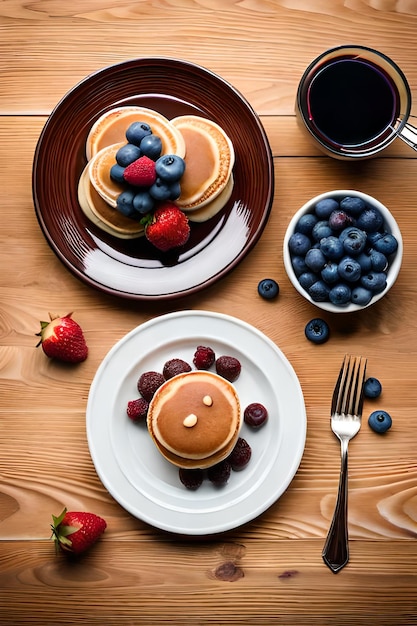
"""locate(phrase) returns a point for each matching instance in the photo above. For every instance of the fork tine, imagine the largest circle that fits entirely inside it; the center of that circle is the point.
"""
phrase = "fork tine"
(339, 387)
(348, 392)
(357, 400)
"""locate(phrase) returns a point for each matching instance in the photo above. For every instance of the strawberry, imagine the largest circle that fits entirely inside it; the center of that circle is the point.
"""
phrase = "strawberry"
(168, 228)
(76, 532)
(63, 339)
(140, 173)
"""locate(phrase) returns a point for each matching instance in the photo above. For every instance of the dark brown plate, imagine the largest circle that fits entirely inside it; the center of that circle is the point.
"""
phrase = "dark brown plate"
(134, 269)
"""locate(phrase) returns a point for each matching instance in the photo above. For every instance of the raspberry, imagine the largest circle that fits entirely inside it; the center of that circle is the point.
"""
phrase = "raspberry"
(240, 455)
(228, 367)
(191, 478)
(219, 474)
(137, 409)
(255, 415)
(148, 383)
(174, 367)
(204, 358)
(140, 173)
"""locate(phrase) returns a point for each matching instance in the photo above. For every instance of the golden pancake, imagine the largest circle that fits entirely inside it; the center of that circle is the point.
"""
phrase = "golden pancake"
(111, 128)
(102, 215)
(100, 166)
(212, 208)
(209, 160)
(194, 419)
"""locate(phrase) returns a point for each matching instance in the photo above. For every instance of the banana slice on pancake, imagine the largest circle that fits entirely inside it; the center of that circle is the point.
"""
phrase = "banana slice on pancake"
(110, 128)
(209, 159)
(101, 214)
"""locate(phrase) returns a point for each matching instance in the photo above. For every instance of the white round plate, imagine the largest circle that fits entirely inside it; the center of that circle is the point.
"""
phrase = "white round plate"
(128, 462)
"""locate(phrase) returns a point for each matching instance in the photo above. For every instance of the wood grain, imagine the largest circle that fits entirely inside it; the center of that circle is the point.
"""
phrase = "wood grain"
(270, 570)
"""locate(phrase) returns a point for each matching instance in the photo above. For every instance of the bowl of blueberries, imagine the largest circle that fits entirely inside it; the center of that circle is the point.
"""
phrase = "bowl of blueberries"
(343, 251)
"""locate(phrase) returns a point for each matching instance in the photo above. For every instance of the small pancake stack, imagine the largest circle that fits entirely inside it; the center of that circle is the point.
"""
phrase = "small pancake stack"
(194, 419)
(206, 184)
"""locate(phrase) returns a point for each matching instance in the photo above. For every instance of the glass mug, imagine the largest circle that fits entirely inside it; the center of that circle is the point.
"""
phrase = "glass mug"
(354, 101)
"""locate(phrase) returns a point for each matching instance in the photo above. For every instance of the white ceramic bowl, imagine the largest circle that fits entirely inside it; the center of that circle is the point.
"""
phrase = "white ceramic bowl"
(390, 226)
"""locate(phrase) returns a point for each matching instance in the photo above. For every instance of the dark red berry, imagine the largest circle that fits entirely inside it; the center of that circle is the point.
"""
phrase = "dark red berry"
(137, 409)
(240, 455)
(191, 478)
(228, 367)
(174, 367)
(219, 474)
(148, 383)
(255, 415)
(204, 357)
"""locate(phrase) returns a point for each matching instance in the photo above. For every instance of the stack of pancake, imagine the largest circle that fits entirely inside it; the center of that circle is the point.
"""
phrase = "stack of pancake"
(194, 419)
(206, 185)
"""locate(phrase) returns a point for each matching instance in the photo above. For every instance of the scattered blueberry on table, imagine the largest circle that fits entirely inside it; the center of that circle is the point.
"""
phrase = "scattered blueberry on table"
(380, 421)
(372, 388)
(317, 330)
(268, 288)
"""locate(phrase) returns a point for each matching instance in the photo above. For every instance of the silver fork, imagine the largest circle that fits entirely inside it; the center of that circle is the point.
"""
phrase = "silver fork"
(346, 413)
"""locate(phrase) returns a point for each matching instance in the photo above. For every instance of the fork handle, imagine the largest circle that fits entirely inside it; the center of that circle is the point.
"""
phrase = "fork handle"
(336, 549)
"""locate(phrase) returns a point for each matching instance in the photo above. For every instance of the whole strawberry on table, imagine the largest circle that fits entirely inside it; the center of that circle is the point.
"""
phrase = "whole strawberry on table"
(75, 532)
(63, 339)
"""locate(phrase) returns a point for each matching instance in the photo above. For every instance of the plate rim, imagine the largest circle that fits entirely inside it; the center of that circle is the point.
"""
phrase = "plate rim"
(275, 494)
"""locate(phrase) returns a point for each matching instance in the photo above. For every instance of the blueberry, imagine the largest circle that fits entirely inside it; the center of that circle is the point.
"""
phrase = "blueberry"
(151, 146)
(353, 206)
(361, 296)
(325, 207)
(315, 259)
(379, 261)
(306, 279)
(143, 202)
(329, 273)
(364, 260)
(372, 388)
(319, 291)
(137, 131)
(124, 204)
(321, 230)
(299, 265)
(372, 238)
(374, 281)
(160, 191)
(349, 269)
(370, 220)
(338, 220)
(340, 294)
(174, 191)
(116, 173)
(299, 244)
(387, 244)
(170, 168)
(127, 154)
(332, 247)
(317, 330)
(306, 224)
(353, 240)
(268, 288)
(380, 421)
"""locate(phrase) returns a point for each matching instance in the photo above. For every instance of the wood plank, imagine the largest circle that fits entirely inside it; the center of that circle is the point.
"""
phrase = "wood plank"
(221, 582)
(273, 42)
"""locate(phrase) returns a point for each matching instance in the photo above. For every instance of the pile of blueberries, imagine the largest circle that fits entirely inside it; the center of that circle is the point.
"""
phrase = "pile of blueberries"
(341, 251)
(136, 202)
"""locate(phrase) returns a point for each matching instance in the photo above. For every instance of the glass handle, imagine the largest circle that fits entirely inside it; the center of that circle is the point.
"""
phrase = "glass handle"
(409, 134)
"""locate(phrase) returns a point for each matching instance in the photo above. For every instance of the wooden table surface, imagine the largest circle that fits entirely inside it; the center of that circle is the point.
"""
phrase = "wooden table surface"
(270, 570)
